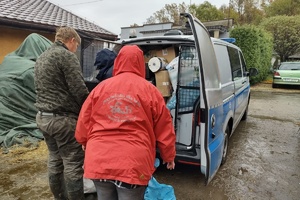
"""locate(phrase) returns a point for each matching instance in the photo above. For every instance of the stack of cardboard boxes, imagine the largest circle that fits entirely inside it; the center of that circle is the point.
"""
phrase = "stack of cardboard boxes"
(162, 76)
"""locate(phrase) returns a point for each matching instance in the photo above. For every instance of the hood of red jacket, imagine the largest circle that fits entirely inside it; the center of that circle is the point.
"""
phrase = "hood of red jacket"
(130, 59)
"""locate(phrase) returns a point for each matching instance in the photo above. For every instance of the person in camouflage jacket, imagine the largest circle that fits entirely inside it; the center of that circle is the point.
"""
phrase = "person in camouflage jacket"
(60, 93)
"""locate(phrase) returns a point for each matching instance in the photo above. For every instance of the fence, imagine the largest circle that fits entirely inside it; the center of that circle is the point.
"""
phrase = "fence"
(88, 56)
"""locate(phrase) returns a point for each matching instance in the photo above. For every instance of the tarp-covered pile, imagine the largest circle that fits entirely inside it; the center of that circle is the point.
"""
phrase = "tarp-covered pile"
(17, 93)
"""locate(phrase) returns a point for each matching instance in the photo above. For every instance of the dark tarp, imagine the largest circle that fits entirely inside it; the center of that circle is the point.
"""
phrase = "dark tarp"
(17, 93)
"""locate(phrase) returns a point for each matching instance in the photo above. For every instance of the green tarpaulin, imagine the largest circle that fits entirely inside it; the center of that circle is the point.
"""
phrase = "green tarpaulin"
(17, 93)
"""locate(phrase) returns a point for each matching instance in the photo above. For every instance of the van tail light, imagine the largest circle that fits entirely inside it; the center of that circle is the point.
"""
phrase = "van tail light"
(276, 73)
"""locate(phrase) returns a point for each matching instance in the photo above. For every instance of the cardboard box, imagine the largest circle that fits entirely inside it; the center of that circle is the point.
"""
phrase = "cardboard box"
(163, 83)
(168, 54)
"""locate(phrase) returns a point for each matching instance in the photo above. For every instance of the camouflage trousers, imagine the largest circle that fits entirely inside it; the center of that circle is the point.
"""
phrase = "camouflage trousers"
(65, 156)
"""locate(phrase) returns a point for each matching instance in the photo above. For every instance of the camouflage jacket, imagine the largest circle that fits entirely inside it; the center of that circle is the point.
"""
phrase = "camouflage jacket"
(59, 83)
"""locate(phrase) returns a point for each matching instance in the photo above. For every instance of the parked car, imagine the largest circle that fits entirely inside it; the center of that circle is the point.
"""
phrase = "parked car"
(211, 91)
(288, 73)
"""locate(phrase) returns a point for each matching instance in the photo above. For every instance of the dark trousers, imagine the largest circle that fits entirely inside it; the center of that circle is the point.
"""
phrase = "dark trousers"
(65, 156)
(109, 191)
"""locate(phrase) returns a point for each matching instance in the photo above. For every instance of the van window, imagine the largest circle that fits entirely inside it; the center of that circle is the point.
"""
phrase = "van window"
(243, 62)
(223, 63)
(236, 66)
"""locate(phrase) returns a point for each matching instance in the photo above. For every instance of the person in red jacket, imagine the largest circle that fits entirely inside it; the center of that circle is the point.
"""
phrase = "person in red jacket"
(121, 124)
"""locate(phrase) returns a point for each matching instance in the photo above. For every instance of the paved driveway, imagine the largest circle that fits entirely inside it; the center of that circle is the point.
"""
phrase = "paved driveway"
(263, 159)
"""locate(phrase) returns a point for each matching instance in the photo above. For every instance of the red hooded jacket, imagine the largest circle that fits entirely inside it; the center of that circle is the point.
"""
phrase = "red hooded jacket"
(123, 121)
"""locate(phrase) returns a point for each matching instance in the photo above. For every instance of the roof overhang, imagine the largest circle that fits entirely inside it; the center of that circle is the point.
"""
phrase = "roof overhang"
(51, 29)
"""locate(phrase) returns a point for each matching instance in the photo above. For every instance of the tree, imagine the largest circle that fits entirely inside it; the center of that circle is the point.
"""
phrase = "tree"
(170, 13)
(206, 12)
(283, 7)
(134, 25)
(249, 11)
(229, 12)
(256, 44)
(285, 31)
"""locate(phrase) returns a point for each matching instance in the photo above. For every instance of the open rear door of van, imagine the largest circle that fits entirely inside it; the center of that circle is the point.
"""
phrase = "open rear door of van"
(211, 103)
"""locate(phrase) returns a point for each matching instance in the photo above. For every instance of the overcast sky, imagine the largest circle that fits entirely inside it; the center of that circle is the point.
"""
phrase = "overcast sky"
(114, 14)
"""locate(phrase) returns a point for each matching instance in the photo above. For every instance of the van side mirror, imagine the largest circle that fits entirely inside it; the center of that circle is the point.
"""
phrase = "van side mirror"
(253, 72)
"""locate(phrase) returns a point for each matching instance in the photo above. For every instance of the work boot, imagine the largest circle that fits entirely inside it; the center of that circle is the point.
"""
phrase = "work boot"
(75, 189)
(57, 186)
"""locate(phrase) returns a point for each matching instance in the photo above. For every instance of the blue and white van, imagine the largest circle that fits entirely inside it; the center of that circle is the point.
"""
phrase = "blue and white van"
(211, 92)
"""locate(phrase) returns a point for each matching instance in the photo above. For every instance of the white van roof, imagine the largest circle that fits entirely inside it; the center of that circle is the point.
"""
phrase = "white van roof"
(222, 42)
(171, 39)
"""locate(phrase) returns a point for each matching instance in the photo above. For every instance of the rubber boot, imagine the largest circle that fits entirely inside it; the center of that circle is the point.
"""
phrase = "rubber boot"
(75, 189)
(57, 186)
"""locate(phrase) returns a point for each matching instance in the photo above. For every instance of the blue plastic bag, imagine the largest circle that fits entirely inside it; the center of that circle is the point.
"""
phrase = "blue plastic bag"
(159, 191)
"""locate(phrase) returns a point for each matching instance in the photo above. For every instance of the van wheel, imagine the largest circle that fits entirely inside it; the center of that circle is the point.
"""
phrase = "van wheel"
(225, 149)
(245, 114)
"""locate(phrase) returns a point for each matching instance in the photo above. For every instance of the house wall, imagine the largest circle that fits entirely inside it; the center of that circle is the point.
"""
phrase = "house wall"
(159, 29)
(10, 39)
(145, 30)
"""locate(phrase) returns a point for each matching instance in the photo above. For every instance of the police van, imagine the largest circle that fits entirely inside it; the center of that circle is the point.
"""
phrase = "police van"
(206, 86)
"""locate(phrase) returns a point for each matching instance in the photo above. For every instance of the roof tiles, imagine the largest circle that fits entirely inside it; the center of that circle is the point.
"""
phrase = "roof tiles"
(45, 12)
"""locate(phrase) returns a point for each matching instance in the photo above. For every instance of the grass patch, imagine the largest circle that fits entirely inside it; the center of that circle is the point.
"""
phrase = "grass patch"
(269, 79)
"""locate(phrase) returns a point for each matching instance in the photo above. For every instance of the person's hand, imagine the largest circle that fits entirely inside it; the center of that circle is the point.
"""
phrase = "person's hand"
(83, 147)
(170, 165)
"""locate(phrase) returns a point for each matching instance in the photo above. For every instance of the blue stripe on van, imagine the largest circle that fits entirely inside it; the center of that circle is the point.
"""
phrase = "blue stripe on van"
(216, 142)
(241, 96)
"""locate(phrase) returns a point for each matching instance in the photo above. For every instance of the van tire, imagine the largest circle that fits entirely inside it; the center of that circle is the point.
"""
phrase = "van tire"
(225, 148)
(245, 115)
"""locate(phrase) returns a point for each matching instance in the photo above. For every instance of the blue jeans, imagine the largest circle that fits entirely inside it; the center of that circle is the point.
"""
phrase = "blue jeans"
(109, 191)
